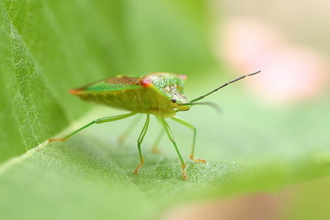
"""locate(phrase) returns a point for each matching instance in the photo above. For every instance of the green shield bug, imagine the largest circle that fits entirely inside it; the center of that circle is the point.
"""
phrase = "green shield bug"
(160, 94)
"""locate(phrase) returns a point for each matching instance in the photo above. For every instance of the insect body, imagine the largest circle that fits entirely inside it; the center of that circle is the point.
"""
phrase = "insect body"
(160, 94)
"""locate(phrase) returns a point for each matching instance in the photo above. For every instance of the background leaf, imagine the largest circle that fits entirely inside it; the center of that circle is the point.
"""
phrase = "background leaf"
(48, 47)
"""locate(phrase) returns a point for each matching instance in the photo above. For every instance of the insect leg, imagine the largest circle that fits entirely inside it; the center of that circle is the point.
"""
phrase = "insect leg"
(171, 137)
(139, 142)
(185, 123)
(131, 126)
(97, 121)
(154, 148)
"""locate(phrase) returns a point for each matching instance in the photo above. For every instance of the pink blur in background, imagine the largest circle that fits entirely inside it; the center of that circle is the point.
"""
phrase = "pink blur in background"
(291, 72)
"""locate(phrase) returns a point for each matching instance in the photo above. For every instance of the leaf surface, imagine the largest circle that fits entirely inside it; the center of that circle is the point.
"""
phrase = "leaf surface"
(48, 47)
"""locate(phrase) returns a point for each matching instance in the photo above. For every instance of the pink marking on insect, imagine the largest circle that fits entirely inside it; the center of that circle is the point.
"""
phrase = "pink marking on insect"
(184, 77)
(145, 82)
(75, 91)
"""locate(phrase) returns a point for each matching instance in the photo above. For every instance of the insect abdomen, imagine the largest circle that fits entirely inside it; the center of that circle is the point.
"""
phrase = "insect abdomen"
(135, 100)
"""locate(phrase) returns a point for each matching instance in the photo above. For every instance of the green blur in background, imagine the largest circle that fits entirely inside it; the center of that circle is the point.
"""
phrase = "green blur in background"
(48, 47)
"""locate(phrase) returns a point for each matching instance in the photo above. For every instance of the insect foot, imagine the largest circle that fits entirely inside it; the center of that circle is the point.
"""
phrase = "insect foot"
(139, 166)
(198, 160)
(155, 150)
(184, 173)
(58, 140)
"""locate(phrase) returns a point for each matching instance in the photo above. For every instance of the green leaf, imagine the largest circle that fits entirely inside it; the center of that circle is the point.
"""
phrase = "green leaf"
(48, 47)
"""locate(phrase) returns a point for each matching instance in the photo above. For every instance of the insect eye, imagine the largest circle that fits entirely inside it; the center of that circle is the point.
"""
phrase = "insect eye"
(173, 100)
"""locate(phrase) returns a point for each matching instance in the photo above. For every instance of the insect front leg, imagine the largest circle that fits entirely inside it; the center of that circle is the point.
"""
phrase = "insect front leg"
(185, 123)
(171, 137)
(139, 142)
(97, 121)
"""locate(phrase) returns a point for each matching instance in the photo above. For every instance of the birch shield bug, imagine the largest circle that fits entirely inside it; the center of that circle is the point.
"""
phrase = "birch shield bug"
(160, 94)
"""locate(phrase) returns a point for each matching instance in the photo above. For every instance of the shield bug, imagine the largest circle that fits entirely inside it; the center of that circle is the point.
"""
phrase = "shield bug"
(160, 94)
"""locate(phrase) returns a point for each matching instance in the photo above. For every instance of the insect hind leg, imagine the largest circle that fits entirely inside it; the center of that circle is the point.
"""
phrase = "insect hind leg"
(155, 149)
(97, 121)
(129, 129)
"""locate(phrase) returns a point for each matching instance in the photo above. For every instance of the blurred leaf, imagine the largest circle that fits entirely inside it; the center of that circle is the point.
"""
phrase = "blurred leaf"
(50, 46)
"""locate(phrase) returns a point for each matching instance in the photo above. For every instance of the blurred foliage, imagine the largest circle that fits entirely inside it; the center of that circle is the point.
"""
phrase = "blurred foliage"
(48, 47)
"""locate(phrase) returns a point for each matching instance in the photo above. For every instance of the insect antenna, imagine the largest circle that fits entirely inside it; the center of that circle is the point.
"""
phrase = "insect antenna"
(216, 107)
(226, 84)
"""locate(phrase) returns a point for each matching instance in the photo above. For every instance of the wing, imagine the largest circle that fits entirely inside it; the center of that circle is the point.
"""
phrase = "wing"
(117, 92)
(111, 84)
